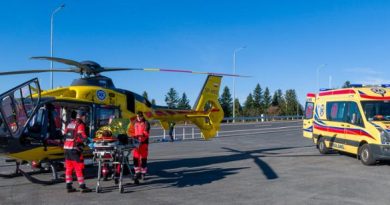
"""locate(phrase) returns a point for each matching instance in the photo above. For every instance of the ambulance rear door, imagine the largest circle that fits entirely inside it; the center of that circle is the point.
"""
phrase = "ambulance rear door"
(308, 116)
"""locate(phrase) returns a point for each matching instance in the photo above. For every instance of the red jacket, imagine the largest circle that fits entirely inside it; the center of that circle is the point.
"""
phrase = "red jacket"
(74, 134)
(139, 129)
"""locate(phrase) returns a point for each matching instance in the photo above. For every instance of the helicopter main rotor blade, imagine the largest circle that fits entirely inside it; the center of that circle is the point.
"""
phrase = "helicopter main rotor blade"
(62, 60)
(119, 69)
(90, 67)
(33, 71)
(193, 72)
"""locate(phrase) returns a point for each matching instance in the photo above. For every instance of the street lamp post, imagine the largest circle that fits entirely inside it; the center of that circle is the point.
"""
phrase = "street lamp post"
(234, 81)
(318, 76)
(51, 40)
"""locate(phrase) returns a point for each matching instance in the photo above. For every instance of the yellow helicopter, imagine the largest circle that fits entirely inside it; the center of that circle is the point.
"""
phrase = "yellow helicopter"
(32, 120)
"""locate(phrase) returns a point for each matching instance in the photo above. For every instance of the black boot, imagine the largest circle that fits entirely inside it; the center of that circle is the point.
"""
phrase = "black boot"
(136, 178)
(69, 188)
(84, 189)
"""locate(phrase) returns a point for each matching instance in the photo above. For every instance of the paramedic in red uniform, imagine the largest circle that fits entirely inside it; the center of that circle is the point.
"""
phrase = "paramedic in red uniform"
(75, 139)
(139, 129)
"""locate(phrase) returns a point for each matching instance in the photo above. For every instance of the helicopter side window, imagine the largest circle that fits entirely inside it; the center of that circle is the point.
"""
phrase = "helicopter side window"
(37, 124)
(105, 115)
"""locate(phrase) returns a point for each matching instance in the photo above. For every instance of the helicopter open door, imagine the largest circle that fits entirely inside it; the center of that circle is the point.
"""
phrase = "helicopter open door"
(17, 106)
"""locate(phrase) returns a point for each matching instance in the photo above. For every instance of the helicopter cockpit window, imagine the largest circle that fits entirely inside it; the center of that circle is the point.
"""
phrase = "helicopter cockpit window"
(28, 101)
(18, 105)
(105, 115)
(9, 113)
(21, 113)
(34, 92)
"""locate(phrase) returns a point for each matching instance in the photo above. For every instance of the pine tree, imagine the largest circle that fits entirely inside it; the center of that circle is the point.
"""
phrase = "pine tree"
(267, 99)
(171, 98)
(258, 100)
(248, 106)
(184, 103)
(347, 84)
(238, 107)
(275, 99)
(292, 102)
(145, 95)
(226, 102)
(281, 102)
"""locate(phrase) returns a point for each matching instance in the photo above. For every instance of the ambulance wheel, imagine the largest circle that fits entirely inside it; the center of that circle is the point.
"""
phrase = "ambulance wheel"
(366, 156)
(322, 146)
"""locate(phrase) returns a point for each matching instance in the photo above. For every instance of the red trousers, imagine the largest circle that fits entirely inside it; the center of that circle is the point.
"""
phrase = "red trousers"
(141, 151)
(78, 167)
(140, 157)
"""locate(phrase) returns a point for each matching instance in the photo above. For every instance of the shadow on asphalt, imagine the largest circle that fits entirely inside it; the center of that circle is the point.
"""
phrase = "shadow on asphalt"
(164, 171)
(198, 171)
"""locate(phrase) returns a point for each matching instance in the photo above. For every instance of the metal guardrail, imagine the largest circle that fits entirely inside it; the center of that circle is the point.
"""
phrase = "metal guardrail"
(262, 118)
(192, 133)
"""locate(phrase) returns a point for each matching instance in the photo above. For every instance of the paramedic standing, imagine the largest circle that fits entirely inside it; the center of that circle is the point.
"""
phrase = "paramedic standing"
(139, 129)
(75, 139)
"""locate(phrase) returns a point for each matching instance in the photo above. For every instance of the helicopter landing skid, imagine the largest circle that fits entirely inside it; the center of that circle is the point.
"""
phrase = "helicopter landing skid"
(19, 172)
(42, 182)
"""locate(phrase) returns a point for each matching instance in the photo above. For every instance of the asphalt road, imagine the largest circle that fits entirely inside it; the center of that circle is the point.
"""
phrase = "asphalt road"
(261, 163)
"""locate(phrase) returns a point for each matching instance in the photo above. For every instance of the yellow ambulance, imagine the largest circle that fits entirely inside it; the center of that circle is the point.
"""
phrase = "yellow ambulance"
(354, 120)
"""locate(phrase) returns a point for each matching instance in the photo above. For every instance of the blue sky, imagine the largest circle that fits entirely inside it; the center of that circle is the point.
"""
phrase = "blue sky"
(286, 42)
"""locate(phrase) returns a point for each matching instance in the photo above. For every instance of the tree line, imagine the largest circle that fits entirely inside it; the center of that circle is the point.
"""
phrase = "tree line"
(173, 100)
(261, 102)
(257, 102)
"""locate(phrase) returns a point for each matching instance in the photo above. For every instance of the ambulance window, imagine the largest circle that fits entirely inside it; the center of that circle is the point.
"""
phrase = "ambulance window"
(309, 110)
(335, 111)
(377, 110)
(353, 115)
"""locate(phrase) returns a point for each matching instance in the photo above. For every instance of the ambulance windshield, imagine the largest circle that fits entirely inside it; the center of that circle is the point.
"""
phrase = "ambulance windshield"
(377, 110)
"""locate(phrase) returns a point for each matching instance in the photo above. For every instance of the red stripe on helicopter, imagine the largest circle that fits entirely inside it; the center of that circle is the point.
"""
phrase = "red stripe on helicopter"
(170, 112)
(184, 112)
(149, 114)
(337, 92)
(159, 113)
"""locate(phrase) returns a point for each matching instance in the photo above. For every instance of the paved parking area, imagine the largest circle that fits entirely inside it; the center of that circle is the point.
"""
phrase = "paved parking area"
(262, 163)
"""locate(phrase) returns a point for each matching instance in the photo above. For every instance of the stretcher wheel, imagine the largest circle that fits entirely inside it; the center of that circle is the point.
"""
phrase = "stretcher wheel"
(121, 189)
(98, 189)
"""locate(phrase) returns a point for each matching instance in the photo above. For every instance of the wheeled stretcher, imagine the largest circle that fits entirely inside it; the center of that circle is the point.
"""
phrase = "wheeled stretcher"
(112, 159)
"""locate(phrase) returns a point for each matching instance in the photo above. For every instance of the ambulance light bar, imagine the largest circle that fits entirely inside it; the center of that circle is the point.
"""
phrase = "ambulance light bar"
(356, 85)
(325, 89)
